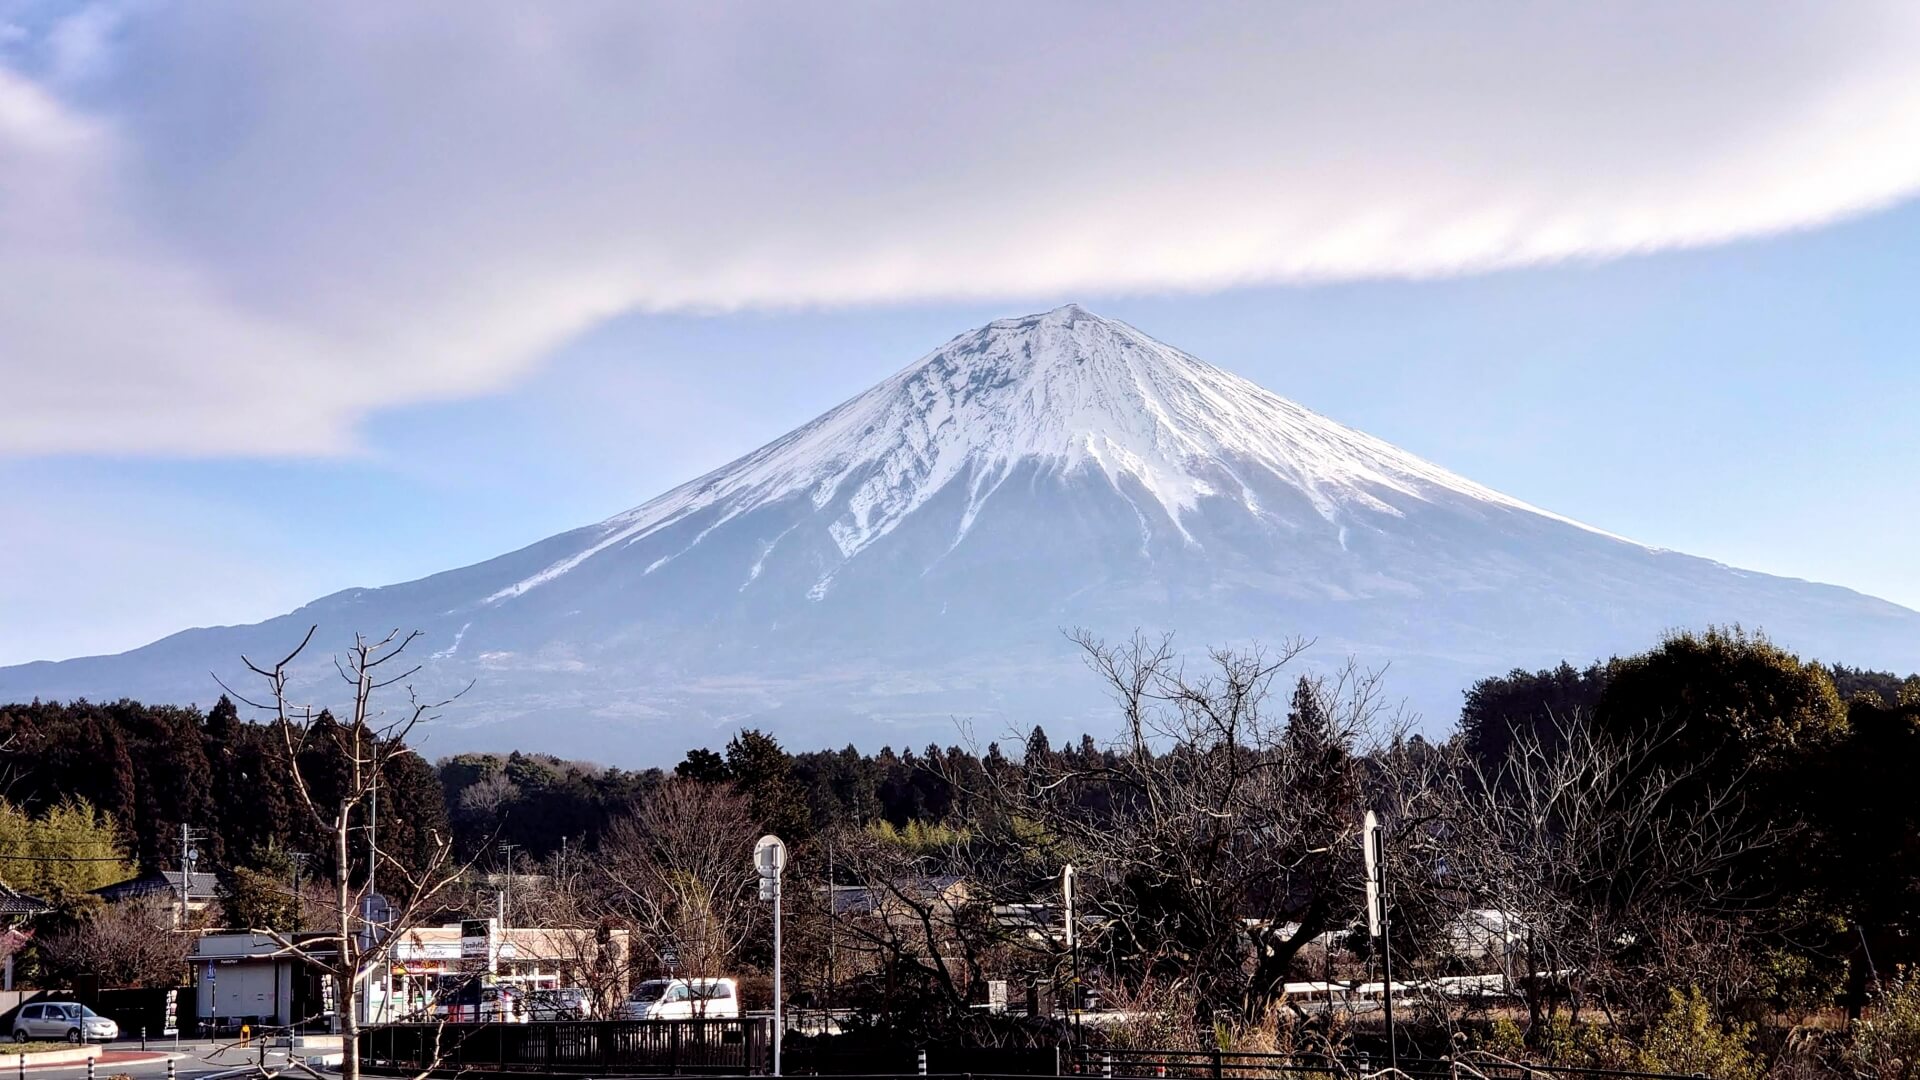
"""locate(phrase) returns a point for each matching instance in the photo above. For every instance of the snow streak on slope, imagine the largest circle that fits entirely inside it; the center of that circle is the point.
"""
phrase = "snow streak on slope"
(1069, 391)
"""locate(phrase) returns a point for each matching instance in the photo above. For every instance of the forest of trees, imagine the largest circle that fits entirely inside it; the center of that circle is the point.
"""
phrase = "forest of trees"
(150, 769)
(1701, 838)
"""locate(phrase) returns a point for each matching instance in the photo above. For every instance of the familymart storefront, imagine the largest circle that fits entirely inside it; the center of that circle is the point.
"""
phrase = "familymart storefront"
(423, 961)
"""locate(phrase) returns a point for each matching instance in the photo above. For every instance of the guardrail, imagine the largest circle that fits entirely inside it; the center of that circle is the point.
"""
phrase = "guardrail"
(741, 1047)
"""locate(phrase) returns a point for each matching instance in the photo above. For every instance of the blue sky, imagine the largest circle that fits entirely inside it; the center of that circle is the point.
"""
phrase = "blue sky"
(274, 330)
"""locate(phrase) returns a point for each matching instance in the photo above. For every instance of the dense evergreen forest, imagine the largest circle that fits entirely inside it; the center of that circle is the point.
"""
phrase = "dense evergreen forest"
(153, 768)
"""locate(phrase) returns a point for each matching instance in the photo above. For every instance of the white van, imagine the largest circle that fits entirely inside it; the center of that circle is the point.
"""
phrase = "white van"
(683, 999)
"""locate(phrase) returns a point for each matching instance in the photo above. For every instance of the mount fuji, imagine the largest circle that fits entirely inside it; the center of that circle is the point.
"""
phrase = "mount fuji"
(911, 558)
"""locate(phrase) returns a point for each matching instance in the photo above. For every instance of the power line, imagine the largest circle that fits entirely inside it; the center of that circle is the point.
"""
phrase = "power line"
(59, 842)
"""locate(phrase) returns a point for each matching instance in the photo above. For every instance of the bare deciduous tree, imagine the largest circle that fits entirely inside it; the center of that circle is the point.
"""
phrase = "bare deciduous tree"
(588, 934)
(340, 804)
(1617, 888)
(1218, 835)
(133, 943)
(681, 868)
(914, 930)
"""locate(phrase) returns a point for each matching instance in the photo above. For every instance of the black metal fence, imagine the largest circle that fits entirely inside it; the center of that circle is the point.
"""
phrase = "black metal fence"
(584, 1047)
(635, 1048)
(1145, 1064)
(1199, 1065)
(829, 1057)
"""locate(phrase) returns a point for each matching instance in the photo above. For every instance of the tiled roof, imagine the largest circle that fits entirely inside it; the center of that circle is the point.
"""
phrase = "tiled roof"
(868, 899)
(200, 886)
(15, 902)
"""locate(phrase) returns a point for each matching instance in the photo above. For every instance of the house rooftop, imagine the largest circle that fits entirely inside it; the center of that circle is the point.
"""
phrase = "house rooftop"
(15, 902)
(201, 886)
(868, 899)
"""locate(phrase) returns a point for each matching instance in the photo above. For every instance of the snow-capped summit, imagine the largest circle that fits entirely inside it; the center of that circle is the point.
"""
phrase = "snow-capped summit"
(1064, 392)
(911, 557)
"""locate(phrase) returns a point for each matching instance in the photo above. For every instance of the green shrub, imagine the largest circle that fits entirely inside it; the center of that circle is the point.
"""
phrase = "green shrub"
(1687, 1039)
(1886, 1044)
(920, 837)
(1556, 1040)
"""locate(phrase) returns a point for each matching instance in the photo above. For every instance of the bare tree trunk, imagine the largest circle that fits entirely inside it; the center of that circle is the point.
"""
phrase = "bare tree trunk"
(349, 999)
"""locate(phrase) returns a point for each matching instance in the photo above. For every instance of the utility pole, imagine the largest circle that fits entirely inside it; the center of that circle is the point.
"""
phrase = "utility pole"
(186, 860)
(188, 856)
(506, 883)
(1073, 947)
(833, 916)
(298, 858)
(1326, 956)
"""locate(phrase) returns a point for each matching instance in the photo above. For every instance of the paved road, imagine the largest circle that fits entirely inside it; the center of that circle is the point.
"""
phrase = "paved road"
(193, 1059)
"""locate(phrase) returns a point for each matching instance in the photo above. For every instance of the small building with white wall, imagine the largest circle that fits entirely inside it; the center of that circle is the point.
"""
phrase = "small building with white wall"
(243, 977)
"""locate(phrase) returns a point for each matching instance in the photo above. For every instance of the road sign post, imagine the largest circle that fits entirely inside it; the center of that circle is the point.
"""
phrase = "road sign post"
(1373, 841)
(1074, 999)
(770, 858)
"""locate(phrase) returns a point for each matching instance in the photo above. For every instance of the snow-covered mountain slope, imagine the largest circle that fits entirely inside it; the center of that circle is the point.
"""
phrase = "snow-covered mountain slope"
(912, 556)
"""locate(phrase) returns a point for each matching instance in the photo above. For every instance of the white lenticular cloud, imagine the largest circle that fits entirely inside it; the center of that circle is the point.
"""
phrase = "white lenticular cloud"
(240, 228)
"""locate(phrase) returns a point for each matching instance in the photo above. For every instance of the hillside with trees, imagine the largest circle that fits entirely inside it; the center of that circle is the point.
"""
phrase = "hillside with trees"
(1711, 836)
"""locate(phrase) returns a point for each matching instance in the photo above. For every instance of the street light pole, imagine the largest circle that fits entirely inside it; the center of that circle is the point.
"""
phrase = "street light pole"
(779, 1020)
(770, 858)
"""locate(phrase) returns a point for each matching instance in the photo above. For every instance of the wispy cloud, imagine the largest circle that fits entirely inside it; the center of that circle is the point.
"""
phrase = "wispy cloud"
(240, 228)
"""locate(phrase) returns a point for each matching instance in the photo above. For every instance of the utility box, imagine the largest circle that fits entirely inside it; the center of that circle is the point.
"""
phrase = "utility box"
(1040, 997)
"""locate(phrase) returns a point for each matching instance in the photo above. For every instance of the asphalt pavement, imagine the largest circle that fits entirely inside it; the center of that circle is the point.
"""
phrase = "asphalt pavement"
(191, 1059)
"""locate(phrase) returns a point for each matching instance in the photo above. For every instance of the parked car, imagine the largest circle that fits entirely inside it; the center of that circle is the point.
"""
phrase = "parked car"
(62, 1020)
(566, 1003)
(683, 999)
(474, 1002)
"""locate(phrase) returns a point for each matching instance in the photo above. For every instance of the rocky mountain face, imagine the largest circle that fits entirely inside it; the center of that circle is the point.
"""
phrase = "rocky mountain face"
(908, 562)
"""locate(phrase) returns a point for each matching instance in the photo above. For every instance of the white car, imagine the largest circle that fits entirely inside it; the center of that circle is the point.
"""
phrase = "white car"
(566, 1003)
(62, 1020)
(683, 999)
